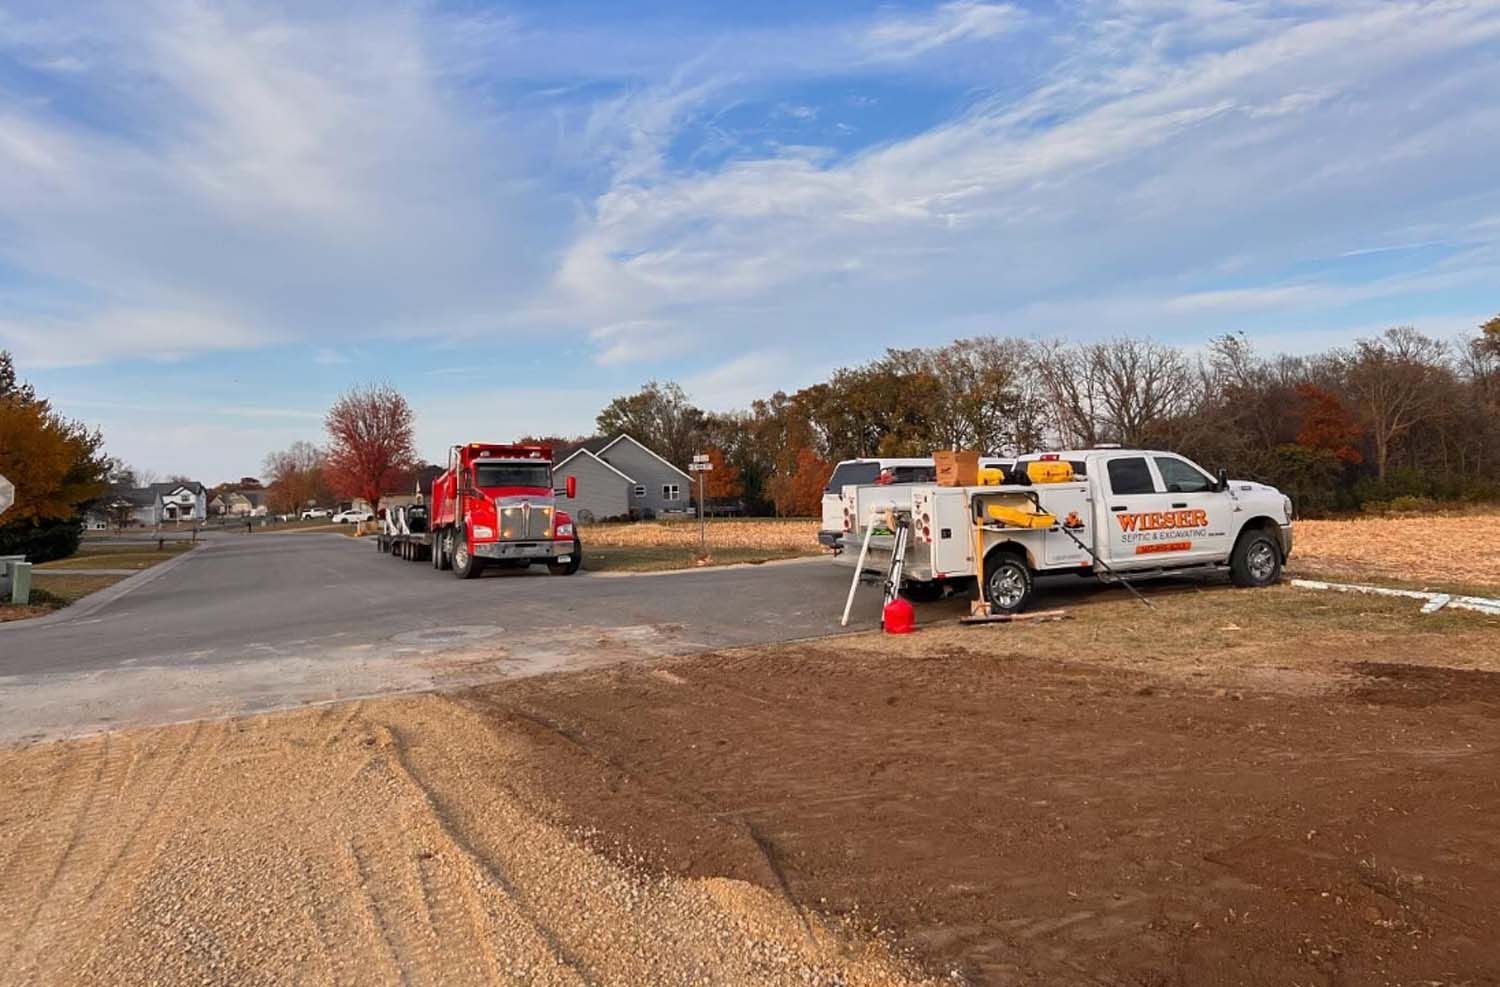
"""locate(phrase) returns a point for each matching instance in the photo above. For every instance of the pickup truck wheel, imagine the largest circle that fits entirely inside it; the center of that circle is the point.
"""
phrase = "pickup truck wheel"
(465, 565)
(571, 566)
(1256, 560)
(1007, 583)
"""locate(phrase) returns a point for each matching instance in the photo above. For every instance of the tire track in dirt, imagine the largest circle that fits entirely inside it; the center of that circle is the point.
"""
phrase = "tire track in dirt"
(18, 957)
(491, 869)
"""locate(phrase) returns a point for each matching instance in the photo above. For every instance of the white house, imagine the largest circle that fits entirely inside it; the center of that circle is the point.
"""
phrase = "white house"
(169, 503)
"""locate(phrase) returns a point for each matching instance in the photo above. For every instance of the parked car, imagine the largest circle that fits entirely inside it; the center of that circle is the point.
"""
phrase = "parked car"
(315, 512)
(351, 517)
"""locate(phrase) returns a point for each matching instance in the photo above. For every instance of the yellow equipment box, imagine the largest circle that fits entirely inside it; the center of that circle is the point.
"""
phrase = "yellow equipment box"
(1018, 517)
(1049, 471)
(991, 476)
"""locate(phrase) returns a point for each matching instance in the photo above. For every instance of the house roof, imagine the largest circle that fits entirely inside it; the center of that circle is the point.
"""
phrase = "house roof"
(585, 452)
(623, 436)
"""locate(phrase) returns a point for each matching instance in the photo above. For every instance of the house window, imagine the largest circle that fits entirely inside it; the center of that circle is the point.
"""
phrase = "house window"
(669, 491)
(640, 490)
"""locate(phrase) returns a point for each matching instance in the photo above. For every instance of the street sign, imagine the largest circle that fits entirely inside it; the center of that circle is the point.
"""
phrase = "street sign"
(700, 458)
(7, 494)
(700, 467)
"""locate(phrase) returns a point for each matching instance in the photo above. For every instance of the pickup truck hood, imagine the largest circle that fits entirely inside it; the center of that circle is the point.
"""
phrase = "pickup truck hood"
(1250, 486)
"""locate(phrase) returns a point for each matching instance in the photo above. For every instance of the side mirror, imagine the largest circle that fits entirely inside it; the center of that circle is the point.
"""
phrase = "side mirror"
(1223, 479)
(569, 488)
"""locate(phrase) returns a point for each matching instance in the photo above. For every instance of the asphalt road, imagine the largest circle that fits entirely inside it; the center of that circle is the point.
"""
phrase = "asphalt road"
(263, 621)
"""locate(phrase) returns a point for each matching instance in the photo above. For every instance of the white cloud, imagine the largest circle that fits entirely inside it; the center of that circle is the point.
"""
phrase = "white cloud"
(272, 167)
(1119, 167)
(962, 20)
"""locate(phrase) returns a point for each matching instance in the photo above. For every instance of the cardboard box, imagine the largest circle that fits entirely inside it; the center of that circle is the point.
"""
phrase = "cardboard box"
(957, 469)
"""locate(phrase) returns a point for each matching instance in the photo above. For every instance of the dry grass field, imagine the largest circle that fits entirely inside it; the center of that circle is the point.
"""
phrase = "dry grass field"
(798, 535)
(1448, 550)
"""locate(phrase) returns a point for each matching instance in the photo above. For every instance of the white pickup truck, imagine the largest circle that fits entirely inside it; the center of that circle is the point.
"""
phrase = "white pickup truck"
(1124, 514)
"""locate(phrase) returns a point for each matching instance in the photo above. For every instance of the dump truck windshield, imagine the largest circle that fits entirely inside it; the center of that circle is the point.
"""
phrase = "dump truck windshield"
(513, 475)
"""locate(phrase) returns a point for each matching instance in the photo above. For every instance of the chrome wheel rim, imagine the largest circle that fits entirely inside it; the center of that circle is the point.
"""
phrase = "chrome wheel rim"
(1261, 561)
(460, 555)
(1007, 587)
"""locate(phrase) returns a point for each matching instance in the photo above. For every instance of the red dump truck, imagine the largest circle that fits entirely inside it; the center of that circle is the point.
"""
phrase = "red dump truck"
(493, 505)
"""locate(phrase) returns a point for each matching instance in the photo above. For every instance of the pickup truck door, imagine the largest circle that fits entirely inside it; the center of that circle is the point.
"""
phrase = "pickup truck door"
(1191, 489)
(1146, 524)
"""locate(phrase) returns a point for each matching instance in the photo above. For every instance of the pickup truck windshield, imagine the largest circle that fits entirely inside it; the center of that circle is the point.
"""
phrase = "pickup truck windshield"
(513, 475)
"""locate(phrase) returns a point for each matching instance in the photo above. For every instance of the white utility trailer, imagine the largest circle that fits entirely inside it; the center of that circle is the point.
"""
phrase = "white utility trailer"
(1112, 514)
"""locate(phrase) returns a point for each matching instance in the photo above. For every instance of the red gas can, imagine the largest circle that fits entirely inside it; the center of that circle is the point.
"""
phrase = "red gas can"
(898, 617)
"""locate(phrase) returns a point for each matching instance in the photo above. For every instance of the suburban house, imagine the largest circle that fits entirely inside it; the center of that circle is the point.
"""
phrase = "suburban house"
(168, 503)
(239, 503)
(619, 478)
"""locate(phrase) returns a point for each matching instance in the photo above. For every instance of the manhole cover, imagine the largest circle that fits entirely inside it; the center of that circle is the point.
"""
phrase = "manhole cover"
(456, 634)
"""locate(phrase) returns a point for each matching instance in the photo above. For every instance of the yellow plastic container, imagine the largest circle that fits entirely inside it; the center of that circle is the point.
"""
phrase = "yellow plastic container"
(1017, 517)
(991, 476)
(1049, 471)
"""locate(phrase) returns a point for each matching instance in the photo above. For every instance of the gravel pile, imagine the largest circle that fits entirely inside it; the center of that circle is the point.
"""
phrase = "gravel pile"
(368, 843)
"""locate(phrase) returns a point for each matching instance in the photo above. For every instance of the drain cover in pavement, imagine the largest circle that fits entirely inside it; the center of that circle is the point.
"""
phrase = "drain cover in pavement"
(457, 634)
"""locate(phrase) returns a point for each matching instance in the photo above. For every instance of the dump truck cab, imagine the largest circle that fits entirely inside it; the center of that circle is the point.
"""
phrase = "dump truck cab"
(495, 504)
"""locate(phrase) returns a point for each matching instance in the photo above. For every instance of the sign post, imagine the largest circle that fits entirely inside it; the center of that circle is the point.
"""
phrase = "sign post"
(701, 464)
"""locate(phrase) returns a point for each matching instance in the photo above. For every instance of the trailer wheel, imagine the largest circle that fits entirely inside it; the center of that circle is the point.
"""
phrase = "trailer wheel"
(1007, 582)
(465, 565)
(569, 567)
(1255, 561)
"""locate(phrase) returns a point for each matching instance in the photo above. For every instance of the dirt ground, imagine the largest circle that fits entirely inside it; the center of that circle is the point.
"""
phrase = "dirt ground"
(1212, 797)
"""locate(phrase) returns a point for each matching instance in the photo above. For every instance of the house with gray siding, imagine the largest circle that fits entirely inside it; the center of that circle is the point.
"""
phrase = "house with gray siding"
(622, 478)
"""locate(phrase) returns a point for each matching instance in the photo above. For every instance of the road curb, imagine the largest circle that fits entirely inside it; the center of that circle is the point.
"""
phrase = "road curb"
(94, 601)
(693, 570)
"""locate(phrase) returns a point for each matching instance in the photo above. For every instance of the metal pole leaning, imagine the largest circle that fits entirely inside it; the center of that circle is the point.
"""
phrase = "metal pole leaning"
(859, 568)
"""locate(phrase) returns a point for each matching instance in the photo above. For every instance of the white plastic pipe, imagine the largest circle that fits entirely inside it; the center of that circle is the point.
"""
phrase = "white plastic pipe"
(1435, 601)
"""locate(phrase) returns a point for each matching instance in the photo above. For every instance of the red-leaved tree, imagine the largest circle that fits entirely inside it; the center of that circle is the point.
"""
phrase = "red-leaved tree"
(370, 444)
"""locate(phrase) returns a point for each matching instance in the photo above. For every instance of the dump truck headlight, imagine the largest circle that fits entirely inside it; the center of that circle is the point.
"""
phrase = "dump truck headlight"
(483, 531)
(564, 531)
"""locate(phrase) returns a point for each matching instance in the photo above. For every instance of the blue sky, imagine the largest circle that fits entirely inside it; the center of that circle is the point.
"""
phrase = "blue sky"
(215, 216)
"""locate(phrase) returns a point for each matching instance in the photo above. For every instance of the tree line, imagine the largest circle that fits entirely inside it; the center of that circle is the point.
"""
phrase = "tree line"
(1395, 417)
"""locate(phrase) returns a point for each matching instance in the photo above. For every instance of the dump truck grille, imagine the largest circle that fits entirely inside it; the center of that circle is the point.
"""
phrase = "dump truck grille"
(525, 522)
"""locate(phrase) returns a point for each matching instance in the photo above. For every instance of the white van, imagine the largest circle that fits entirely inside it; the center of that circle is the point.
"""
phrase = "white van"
(863, 472)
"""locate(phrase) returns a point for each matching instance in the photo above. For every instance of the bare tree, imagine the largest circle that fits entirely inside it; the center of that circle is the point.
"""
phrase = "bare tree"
(1395, 379)
(296, 477)
(1116, 390)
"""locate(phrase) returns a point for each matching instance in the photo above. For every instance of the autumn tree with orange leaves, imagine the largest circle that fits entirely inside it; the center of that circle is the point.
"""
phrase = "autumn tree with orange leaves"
(370, 443)
(723, 482)
(799, 493)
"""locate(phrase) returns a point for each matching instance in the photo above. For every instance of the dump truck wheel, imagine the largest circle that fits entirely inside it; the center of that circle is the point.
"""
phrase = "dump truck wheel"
(441, 560)
(1255, 561)
(1007, 583)
(571, 566)
(465, 565)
